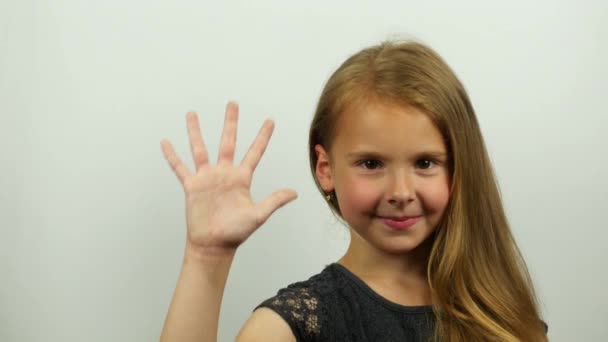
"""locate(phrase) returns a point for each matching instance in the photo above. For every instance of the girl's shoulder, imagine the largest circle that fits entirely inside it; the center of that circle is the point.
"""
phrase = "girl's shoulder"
(321, 283)
(304, 304)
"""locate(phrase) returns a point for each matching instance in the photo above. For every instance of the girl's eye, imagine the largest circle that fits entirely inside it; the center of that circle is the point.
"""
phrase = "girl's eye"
(370, 164)
(424, 163)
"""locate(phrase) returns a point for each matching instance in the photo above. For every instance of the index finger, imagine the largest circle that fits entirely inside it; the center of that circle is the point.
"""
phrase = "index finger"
(253, 156)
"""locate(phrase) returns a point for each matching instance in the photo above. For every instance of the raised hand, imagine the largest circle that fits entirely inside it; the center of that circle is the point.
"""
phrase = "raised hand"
(219, 209)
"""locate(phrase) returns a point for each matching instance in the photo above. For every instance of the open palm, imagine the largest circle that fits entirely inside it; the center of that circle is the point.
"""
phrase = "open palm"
(220, 212)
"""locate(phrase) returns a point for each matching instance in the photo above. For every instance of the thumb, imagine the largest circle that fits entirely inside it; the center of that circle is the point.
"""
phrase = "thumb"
(273, 202)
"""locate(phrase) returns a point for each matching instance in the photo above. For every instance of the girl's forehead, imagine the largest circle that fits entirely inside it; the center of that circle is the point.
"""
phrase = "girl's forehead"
(386, 125)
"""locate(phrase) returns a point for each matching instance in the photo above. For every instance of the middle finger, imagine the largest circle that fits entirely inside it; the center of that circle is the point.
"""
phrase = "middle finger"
(228, 142)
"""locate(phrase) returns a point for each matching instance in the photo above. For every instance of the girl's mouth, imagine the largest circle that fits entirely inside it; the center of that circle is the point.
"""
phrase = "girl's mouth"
(400, 223)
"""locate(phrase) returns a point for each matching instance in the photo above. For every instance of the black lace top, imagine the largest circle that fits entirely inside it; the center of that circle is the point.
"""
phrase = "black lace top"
(335, 305)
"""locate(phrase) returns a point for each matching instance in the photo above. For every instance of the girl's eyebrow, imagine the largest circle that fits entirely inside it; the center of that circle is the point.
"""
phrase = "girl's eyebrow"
(357, 154)
(435, 154)
(378, 155)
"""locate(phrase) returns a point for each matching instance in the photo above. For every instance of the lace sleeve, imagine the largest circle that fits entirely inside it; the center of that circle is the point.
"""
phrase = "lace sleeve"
(299, 307)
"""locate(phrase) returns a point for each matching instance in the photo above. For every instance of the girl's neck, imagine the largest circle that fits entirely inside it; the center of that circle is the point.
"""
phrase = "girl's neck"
(369, 260)
(390, 269)
(399, 278)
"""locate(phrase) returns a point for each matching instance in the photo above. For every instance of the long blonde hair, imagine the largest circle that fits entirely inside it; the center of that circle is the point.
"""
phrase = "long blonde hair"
(480, 285)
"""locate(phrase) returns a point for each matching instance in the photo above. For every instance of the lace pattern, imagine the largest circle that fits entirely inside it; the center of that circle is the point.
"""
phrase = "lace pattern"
(301, 306)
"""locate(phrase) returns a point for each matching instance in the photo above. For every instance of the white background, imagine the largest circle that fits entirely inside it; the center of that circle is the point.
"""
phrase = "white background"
(92, 218)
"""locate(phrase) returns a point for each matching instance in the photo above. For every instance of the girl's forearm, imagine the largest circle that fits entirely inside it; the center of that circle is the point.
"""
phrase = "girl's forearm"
(195, 308)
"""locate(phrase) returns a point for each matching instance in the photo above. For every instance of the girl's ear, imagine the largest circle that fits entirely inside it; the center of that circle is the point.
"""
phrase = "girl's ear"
(323, 169)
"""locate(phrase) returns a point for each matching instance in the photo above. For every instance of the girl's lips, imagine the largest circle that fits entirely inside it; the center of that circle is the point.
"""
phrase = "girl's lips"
(400, 223)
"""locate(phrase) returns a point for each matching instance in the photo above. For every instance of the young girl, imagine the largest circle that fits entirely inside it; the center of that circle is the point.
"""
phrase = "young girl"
(397, 152)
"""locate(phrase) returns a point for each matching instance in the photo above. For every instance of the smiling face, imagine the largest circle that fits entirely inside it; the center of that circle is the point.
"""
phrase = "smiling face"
(388, 165)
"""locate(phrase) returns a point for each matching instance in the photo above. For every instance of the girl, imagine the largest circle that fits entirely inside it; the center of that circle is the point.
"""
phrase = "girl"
(396, 150)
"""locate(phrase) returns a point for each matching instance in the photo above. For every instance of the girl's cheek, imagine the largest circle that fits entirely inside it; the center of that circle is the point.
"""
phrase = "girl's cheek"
(362, 193)
(435, 195)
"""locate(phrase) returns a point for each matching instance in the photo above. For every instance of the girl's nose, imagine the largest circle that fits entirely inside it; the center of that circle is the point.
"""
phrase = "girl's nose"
(400, 189)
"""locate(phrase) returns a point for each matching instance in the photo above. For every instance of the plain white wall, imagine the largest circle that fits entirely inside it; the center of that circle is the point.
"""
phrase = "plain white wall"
(92, 218)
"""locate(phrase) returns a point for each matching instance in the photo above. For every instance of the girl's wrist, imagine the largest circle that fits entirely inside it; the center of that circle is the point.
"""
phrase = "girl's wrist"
(204, 254)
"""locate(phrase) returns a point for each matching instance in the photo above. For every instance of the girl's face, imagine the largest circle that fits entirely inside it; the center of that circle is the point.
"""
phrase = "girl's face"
(389, 167)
